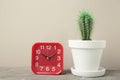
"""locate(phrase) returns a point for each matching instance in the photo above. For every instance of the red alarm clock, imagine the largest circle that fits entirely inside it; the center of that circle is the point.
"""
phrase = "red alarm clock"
(47, 58)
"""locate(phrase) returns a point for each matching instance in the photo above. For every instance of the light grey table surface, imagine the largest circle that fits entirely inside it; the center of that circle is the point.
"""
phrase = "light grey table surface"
(25, 73)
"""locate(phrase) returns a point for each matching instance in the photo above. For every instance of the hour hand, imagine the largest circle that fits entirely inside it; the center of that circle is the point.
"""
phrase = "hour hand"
(46, 57)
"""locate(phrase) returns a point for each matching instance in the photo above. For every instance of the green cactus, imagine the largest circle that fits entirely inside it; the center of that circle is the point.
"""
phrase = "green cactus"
(86, 25)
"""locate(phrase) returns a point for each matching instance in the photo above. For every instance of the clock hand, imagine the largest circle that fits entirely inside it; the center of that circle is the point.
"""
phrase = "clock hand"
(52, 55)
(45, 56)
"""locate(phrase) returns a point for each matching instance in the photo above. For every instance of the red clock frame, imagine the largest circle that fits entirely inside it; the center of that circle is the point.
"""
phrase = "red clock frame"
(47, 58)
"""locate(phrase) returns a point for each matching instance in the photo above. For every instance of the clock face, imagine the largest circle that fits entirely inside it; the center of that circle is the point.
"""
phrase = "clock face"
(47, 58)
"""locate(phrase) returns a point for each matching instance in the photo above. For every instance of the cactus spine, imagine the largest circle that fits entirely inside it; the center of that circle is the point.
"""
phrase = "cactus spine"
(85, 24)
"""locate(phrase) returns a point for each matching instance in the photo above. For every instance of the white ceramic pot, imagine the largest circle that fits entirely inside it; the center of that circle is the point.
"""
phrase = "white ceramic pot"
(87, 54)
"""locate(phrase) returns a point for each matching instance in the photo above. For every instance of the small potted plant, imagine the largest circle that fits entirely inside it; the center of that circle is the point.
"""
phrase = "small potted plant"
(87, 52)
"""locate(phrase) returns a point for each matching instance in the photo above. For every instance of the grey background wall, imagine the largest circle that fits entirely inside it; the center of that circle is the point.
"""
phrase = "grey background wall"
(24, 22)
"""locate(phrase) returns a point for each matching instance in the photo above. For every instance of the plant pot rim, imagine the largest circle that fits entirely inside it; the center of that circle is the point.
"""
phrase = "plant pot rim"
(87, 43)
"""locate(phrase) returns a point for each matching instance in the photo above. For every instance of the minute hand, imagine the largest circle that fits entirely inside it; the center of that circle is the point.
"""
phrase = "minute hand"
(52, 55)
